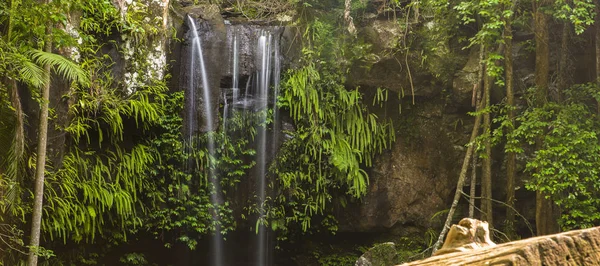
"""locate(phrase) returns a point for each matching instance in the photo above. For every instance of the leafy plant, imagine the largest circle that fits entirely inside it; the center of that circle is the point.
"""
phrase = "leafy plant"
(566, 166)
(335, 136)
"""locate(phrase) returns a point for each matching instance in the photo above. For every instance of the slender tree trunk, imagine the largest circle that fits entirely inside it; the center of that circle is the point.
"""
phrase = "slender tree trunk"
(563, 61)
(40, 167)
(542, 55)
(473, 186)
(461, 182)
(598, 52)
(416, 11)
(511, 162)
(486, 164)
(348, 17)
(511, 158)
(475, 103)
(544, 213)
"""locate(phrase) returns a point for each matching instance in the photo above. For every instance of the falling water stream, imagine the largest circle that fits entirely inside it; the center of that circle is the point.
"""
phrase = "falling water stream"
(217, 238)
(276, 81)
(236, 68)
(262, 98)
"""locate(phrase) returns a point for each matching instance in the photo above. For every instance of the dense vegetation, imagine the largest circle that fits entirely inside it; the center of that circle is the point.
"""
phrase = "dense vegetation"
(116, 163)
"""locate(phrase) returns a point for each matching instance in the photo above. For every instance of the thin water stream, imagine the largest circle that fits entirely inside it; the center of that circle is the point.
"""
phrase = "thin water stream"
(217, 238)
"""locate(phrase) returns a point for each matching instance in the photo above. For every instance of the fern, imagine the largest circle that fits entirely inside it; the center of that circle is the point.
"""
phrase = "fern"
(90, 190)
(336, 136)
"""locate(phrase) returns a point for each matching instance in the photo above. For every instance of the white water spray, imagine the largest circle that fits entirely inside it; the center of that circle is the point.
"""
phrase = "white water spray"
(268, 71)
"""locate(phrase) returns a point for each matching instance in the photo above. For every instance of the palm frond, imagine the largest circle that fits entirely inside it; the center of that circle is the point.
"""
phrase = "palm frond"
(29, 72)
(65, 67)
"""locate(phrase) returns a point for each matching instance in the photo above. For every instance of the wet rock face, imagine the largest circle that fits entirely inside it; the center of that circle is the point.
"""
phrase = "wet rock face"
(246, 36)
(389, 69)
(212, 33)
(414, 180)
(465, 80)
(217, 37)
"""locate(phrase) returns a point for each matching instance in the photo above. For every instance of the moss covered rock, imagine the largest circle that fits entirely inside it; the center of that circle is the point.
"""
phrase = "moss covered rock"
(380, 255)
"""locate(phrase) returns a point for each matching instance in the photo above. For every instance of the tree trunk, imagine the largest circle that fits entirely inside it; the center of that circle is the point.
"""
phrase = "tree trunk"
(563, 61)
(472, 188)
(544, 218)
(40, 167)
(486, 164)
(475, 101)
(542, 55)
(461, 181)
(511, 169)
(598, 53)
(416, 11)
(348, 17)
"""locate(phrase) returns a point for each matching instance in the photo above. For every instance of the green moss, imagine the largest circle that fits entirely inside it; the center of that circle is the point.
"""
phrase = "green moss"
(409, 248)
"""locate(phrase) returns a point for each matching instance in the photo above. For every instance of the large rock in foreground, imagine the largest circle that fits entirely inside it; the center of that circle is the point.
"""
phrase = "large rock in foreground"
(467, 235)
(580, 247)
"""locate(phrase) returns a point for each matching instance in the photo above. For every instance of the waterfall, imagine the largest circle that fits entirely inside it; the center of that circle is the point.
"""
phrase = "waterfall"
(236, 68)
(254, 68)
(268, 71)
(225, 111)
(262, 97)
(276, 81)
(217, 238)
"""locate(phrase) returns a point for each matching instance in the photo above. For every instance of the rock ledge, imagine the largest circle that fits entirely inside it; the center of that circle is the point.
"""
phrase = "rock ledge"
(579, 247)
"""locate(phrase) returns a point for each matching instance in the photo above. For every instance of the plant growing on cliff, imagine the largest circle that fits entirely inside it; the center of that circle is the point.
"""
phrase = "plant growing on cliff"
(183, 211)
(322, 166)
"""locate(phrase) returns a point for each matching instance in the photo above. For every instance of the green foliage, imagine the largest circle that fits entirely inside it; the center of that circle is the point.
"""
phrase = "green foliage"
(434, 42)
(336, 258)
(65, 67)
(182, 188)
(409, 248)
(88, 186)
(260, 9)
(11, 238)
(335, 134)
(492, 14)
(182, 205)
(566, 165)
(95, 188)
(491, 18)
(12, 163)
(101, 179)
(133, 259)
(579, 12)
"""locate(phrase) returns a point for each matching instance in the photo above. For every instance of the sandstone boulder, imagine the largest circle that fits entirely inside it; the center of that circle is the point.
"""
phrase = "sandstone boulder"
(467, 235)
(579, 247)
